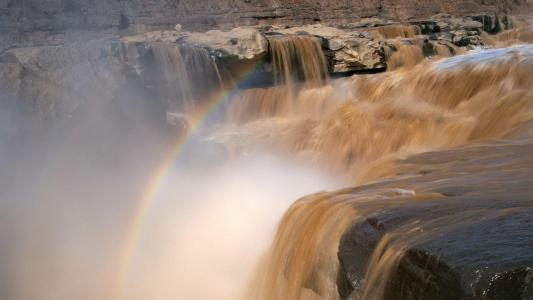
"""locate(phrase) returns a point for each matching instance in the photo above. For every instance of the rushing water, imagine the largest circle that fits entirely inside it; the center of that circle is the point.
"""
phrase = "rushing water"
(207, 233)
(359, 127)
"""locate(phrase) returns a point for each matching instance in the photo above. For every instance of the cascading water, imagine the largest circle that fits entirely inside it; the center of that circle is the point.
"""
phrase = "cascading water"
(299, 65)
(364, 119)
(359, 128)
(200, 228)
(175, 84)
(398, 31)
(298, 58)
(184, 76)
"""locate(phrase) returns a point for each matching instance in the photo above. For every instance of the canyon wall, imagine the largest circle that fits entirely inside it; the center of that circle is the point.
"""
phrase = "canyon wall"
(53, 15)
(52, 50)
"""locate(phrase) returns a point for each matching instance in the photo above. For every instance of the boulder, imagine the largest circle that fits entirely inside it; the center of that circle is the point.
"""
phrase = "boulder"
(465, 233)
(196, 62)
(241, 42)
(449, 23)
(461, 31)
(239, 45)
(350, 50)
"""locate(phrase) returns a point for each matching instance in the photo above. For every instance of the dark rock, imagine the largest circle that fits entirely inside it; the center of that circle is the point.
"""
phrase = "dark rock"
(472, 242)
(124, 22)
(428, 49)
(493, 23)
(427, 26)
(421, 275)
(516, 284)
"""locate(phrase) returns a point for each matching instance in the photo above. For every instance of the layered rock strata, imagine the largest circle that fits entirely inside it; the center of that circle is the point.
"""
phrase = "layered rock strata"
(51, 73)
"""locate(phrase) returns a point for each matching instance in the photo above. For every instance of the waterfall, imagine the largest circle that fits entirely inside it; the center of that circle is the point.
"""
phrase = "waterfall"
(360, 133)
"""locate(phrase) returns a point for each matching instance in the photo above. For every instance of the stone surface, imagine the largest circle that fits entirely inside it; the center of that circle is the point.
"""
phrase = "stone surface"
(461, 31)
(52, 81)
(243, 43)
(240, 42)
(53, 15)
(350, 49)
(44, 41)
(478, 217)
(51, 75)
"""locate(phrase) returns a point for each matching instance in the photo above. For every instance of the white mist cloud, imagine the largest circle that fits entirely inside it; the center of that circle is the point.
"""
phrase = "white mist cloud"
(208, 229)
(68, 197)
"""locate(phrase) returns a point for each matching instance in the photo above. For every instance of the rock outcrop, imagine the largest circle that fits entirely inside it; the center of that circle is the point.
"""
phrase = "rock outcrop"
(347, 49)
(363, 46)
(53, 80)
(52, 52)
(52, 15)
(470, 223)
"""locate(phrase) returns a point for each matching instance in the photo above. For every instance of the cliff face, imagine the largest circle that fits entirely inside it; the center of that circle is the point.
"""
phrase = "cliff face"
(47, 46)
(54, 15)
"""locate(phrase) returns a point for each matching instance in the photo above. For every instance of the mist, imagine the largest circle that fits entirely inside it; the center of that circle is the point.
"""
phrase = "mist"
(71, 188)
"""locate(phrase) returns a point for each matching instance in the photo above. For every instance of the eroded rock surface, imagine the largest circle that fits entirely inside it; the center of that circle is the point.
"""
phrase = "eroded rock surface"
(349, 49)
(34, 15)
(43, 41)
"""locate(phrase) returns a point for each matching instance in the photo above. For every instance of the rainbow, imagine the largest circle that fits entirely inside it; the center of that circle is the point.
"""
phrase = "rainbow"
(150, 192)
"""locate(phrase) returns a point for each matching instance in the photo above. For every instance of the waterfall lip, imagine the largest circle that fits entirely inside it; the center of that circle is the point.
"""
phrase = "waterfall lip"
(484, 56)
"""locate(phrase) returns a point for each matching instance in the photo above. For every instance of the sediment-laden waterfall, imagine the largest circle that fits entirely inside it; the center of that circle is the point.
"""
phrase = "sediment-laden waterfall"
(184, 76)
(438, 147)
(296, 58)
(299, 65)
(359, 127)
(355, 122)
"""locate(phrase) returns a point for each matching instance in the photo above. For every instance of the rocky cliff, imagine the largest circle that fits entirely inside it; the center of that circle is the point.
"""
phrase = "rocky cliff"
(44, 42)
(55, 15)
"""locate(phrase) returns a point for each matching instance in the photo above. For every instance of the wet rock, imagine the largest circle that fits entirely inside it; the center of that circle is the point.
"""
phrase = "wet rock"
(242, 43)
(365, 23)
(237, 46)
(350, 47)
(427, 26)
(454, 23)
(461, 31)
(470, 238)
(492, 23)
(516, 284)
(428, 49)
(351, 50)
(460, 38)
(335, 44)
(346, 50)
(452, 265)
(202, 62)
(171, 36)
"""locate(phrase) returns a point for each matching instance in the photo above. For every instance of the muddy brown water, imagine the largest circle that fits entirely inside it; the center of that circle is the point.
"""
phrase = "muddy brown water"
(437, 156)
(365, 127)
